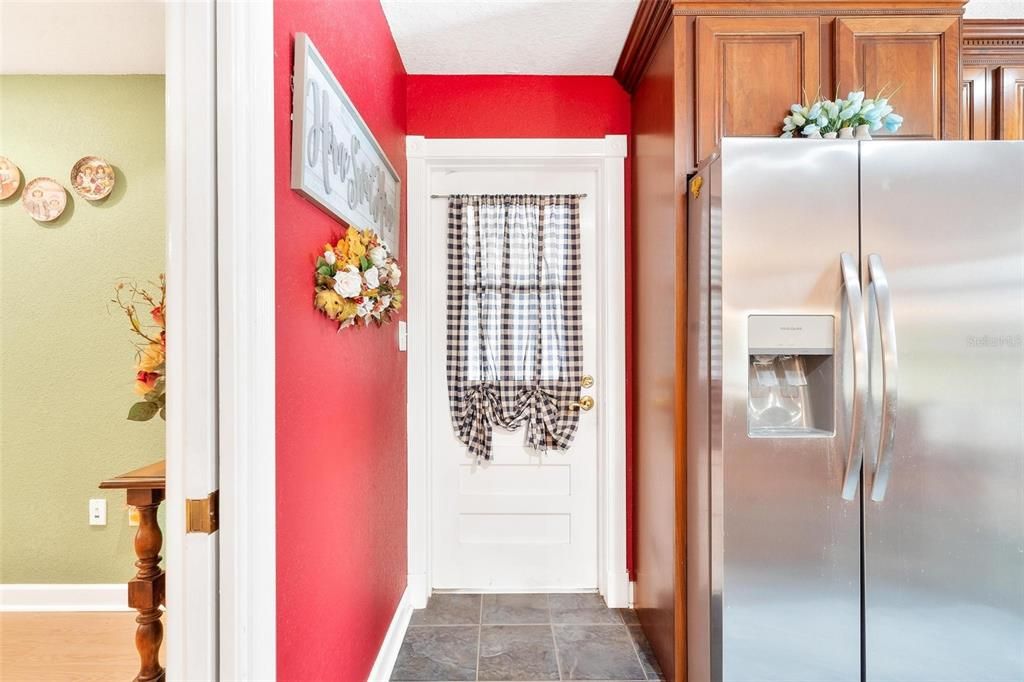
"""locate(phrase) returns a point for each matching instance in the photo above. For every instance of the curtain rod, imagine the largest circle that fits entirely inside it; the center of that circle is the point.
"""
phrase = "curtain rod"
(445, 196)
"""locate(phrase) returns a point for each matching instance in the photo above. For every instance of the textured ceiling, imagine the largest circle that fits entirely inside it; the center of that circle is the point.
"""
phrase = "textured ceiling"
(578, 37)
(994, 9)
(81, 37)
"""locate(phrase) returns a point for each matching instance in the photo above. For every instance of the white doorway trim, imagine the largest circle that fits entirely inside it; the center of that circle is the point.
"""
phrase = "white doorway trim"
(221, 398)
(246, 339)
(605, 156)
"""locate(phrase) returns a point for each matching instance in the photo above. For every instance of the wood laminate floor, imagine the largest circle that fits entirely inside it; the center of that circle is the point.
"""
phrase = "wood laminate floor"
(53, 647)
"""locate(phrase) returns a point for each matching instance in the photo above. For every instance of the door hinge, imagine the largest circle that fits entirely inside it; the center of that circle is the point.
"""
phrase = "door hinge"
(202, 516)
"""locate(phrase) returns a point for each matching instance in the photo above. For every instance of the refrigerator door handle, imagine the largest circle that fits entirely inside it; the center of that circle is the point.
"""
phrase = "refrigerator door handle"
(858, 329)
(890, 373)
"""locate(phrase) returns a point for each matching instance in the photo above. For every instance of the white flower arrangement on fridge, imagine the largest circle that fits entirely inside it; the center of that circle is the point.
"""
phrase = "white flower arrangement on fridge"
(830, 118)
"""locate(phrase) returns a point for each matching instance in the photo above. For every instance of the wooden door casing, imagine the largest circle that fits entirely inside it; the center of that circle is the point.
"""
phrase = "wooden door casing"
(1011, 102)
(974, 109)
(917, 55)
(749, 70)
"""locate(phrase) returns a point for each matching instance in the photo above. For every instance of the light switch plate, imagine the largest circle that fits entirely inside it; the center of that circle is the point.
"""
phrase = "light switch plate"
(98, 512)
(403, 336)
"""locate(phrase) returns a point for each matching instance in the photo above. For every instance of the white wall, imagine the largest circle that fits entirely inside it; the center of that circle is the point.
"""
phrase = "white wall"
(82, 37)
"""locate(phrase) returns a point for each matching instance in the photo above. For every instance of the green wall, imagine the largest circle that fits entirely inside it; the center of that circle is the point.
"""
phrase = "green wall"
(67, 359)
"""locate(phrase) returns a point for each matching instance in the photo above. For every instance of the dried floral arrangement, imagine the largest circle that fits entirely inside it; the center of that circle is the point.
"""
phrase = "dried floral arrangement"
(150, 344)
(356, 280)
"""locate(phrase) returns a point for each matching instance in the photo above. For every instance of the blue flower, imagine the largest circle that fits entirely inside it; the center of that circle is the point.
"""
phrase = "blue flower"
(815, 111)
(787, 134)
(855, 97)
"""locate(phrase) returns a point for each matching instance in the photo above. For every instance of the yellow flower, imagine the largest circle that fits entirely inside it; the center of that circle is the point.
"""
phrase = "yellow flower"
(367, 236)
(348, 310)
(152, 356)
(356, 247)
(329, 302)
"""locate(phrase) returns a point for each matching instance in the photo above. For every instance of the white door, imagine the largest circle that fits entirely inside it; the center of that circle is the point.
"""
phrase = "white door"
(525, 521)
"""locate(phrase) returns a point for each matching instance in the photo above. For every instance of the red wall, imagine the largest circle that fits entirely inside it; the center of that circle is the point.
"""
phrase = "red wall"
(341, 436)
(535, 106)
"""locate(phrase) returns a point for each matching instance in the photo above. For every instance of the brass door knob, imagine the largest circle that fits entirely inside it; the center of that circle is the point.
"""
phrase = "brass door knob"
(586, 403)
(587, 381)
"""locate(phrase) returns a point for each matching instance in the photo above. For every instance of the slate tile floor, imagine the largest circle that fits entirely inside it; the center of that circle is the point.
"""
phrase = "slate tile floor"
(524, 637)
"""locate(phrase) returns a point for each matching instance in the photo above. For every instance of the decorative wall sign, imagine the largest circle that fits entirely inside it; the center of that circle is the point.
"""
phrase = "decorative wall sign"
(336, 162)
(92, 178)
(10, 178)
(44, 199)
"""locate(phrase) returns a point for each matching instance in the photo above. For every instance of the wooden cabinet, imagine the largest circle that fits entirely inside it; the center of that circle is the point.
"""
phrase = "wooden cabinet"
(974, 106)
(749, 70)
(1010, 108)
(738, 70)
(918, 55)
(992, 95)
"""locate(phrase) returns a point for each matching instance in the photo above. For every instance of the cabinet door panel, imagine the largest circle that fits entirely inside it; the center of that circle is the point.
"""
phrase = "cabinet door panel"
(1011, 102)
(749, 71)
(974, 104)
(918, 55)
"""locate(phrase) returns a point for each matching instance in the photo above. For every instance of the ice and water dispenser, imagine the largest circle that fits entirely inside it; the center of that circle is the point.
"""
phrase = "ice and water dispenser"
(791, 377)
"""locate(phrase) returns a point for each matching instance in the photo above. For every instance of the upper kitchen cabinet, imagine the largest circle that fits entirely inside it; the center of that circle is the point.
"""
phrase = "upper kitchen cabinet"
(1010, 106)
(993, 79)
(747, 67)
(917, 56)
(740, 65)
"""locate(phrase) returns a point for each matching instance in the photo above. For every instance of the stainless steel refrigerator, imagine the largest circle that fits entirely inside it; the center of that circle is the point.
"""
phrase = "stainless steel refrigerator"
(855, 412)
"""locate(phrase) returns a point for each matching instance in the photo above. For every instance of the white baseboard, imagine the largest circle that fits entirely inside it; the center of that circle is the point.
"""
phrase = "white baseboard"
(617, 590)
(64, 597)
(419, 593)
(392, 643)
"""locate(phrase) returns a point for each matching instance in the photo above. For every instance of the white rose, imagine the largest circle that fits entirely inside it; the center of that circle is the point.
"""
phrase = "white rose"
(396, 274)
(372, 277)
(348, 283)
(378, 256)
(365, 308)
(330, 257)
(385, 301)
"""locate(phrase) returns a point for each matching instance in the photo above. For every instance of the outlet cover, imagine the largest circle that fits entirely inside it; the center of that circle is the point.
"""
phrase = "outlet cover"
(403, 336)
(98, 512)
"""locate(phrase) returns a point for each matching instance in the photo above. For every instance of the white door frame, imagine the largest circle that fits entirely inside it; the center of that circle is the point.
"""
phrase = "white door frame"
(605, 156)
(221, 363)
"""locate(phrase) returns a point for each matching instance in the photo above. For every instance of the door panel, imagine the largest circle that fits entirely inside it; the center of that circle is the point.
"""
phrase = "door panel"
(1011, 102)
(749, 71)
(785, 568)
(974, 104)
(918, 55)
(944, 548)
(526, 521)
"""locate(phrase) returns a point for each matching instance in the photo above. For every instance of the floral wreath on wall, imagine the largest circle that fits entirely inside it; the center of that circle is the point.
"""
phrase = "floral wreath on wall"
(357, 280)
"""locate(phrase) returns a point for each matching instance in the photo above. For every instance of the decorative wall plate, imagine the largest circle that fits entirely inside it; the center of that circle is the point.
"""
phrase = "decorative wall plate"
(92, 178)
(44, 199)
(10, 178)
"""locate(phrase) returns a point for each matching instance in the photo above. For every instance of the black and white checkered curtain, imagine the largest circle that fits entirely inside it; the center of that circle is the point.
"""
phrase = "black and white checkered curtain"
(515, 323)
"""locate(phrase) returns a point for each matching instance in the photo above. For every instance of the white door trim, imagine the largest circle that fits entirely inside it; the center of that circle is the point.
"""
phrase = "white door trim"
(246, 340)
(220, 277)
(606, 157)
(191, 636)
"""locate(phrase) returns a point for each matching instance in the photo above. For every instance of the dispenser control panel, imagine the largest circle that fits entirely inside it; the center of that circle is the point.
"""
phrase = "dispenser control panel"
(791, 334)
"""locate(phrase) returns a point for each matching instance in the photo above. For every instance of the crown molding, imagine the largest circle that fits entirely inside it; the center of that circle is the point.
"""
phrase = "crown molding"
(651, 21)
(993, 41)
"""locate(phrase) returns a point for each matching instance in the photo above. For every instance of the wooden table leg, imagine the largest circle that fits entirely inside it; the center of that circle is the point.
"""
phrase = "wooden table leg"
(146, 589)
